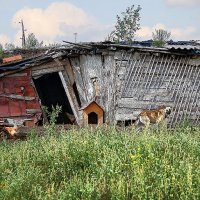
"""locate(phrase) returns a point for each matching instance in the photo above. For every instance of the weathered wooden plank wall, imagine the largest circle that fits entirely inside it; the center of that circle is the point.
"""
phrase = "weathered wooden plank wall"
(161, 79)
(49, 67)
(92, 73)
(130, 81)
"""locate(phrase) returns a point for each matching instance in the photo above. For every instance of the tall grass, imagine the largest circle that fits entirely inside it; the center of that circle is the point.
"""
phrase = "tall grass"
(103, 163)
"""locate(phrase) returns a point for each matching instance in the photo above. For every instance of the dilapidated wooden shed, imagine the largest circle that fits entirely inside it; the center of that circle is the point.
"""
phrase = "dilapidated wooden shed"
(122, 79)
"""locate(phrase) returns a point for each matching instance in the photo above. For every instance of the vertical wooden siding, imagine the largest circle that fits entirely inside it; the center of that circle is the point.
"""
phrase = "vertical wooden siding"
(129, 82)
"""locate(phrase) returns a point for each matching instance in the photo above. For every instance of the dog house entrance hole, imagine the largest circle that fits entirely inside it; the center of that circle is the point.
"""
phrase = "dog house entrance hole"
(92, 118)
(52, 93)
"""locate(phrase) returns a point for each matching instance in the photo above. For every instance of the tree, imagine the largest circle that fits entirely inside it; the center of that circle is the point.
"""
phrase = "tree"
(32, 41)
(1, 47)
(1, 51)
(126, 25)
(160, 37)
(9, 46)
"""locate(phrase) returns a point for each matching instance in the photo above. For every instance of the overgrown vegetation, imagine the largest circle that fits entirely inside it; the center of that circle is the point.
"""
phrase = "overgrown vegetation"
(160, 37)
(126, 26)
(9, 46)
(32, 42)
(1, 51)
(103, 163)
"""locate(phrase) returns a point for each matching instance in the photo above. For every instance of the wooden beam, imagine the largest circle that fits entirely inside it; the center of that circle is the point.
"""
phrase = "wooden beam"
(16, 96)
(46, 71)
(71, 97)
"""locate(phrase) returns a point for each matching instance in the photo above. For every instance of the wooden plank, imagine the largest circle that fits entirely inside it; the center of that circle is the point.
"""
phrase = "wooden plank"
(128, 74)
(181, 79)
(108, 88)
(75, 63)
(71, 98)
(152, 76)
(51, 64)
(172, 72)
(180, 95)
(126, 114)
(142, 104)
(194, 61)
(46, 71)
(176, 73)
(139, 82)
(69, 71)
(149, 70)
(117, 68)
(194, 89)
(135, 79)
(19, 97)
(165, 71)
(163, 65)
(191, 89)
(33, 111)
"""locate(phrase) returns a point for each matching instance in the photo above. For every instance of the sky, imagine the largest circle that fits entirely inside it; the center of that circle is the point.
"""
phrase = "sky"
(92, 20)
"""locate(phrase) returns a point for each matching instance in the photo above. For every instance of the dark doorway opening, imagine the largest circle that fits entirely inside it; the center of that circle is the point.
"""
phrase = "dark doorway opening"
(52, 93)
(92, 118)
(76, 94)
(125, 123)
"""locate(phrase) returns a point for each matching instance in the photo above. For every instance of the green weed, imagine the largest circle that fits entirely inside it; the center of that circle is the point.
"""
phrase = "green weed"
(103, 163)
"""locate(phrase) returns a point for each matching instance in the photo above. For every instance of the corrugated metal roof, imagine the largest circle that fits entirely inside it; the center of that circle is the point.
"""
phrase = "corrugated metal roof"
(182, 47)
(171, 45)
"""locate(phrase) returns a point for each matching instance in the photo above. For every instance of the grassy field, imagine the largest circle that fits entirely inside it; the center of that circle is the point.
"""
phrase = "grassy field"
(103, 164)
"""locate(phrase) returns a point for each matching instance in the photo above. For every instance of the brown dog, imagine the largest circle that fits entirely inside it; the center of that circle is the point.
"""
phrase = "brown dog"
(155, 116)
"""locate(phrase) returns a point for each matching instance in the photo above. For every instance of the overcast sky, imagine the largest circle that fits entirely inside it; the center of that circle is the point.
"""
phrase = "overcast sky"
(54, 21)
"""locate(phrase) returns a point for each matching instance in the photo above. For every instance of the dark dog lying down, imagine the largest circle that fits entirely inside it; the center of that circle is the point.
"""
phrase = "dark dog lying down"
(155, 116)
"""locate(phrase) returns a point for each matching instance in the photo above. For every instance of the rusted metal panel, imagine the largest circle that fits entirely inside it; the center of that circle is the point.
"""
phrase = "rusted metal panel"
(32, 104)
(4, 107)
(14, 108)
(17, 96)
(12, 58)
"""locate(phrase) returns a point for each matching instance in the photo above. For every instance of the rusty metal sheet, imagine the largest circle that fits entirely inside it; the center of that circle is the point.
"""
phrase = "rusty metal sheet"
(17, 96)
(12, 58)
(4, 107)
(1, 87)
(29, 91)
(32, 105)
(14, 108)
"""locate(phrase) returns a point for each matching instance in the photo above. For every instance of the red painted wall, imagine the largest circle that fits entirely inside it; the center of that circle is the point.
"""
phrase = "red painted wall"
(18, 98)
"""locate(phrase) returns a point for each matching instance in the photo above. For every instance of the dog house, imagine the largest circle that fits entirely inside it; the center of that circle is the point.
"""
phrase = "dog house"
(92, 114)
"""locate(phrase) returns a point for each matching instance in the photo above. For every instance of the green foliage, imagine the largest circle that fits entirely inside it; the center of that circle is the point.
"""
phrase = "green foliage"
(126, 25)
(1, 47)
(160, 37)
(1, 51)
(9, 46)
(52, 116)
(103, 164)
(32, 42)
